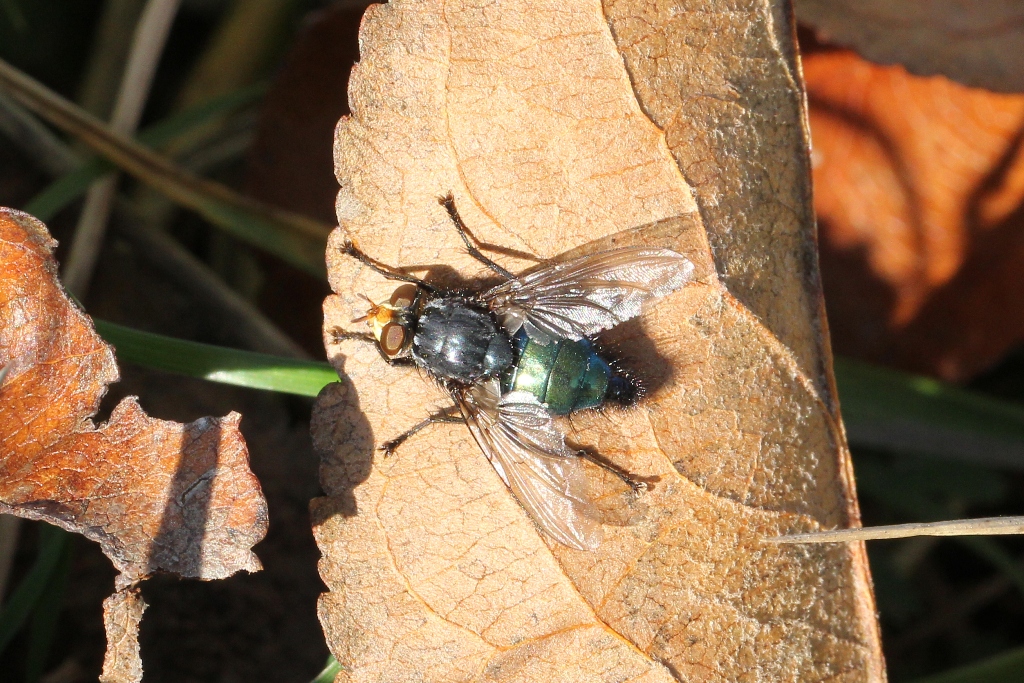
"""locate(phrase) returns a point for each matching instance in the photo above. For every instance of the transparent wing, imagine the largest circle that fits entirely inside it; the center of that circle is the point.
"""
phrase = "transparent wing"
(519, 437)
(579, 298)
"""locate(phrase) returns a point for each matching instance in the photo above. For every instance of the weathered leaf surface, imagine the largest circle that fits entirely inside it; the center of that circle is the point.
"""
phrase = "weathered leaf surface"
(919, 190)
(568, 128)
(979, 43)
(156, 495)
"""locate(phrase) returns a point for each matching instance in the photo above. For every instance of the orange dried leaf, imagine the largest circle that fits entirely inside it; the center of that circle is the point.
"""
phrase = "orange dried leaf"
(565, 128)
(919, 190)
(980, 43)
(156, 495)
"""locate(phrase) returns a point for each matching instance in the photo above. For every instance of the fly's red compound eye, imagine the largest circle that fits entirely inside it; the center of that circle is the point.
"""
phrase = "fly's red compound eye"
(404, 296)
(392, 339)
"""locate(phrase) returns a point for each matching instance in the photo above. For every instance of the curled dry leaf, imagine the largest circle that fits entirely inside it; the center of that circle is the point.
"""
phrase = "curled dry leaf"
(575, 126)
(919, 191)
(156, 495)
(978, 43)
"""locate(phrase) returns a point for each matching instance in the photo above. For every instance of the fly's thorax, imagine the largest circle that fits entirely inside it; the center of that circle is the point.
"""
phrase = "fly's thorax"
(459, 340)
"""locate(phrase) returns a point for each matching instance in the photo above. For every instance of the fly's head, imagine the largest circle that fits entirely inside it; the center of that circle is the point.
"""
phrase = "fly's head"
(392, 321)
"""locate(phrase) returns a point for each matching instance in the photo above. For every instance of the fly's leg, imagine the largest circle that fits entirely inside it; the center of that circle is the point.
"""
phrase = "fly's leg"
(440, 417)
(635, 485)
(339, 334)
(385, 270)
(448, 202)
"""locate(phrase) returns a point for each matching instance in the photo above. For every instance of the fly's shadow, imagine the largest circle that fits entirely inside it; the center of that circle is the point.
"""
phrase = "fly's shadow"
(632, 351)
(344, 441)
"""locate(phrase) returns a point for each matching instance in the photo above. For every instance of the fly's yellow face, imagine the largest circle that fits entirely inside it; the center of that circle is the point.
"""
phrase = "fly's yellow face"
(385, 322)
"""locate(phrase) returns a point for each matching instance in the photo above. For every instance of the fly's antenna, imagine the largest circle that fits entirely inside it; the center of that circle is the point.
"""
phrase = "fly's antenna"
(372, 312)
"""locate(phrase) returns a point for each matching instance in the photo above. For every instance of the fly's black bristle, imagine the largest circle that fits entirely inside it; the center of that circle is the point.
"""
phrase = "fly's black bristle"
(624, 388)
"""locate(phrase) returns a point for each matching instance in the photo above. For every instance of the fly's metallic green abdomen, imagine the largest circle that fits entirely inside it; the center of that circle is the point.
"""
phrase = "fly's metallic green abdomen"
(566, 375)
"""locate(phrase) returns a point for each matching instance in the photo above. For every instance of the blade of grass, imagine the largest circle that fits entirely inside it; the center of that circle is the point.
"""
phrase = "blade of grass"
(217, 363)
(330, 672)
(294, 238)
(69, 187)
(909, 414)
(1007, 667)
(924, 403)
(26, 596)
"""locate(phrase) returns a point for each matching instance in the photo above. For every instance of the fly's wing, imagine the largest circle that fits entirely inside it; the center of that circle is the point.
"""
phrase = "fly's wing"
(519, 437)
(579, 298)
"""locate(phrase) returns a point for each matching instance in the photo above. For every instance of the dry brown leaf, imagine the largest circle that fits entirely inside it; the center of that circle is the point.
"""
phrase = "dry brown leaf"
(919, 190)
(562, 127)
(122, 615)
(978, 43)
(156, 495)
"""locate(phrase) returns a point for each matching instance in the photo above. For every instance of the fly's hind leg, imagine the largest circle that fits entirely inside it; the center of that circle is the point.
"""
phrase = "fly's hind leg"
(635, 485)
(448, 202)
(382, 269)
(339, 334)
(442, 416)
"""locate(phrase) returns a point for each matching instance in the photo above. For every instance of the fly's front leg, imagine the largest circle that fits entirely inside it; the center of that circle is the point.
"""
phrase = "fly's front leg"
(382, 269)
(339, 334)
(448, 202)
(442, 416)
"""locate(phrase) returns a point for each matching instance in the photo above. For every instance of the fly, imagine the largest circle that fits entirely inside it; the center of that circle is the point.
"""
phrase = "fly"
(516, 355)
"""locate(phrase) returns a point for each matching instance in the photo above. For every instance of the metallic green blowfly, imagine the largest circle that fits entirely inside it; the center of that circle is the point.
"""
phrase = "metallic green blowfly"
(517, 354)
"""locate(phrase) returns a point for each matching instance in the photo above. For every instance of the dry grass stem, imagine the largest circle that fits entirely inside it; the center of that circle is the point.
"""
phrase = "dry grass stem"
(147, 46)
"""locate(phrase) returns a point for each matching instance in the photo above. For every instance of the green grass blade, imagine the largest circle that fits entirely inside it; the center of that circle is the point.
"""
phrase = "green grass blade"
(330, 672)
(873, 399)
(909, 414)
(217, 363)
(1007, 667)
(67, 188)
(26, 596)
